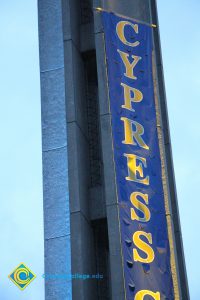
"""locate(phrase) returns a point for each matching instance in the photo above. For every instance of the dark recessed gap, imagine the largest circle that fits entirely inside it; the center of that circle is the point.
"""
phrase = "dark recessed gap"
(86, 11)
(90, 66)
(102, 258)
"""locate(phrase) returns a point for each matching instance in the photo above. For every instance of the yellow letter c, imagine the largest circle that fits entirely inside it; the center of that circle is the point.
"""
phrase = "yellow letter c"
(120, 32)
(141, 294)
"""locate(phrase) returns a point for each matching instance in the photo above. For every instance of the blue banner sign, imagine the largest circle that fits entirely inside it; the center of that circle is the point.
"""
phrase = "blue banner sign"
(146, 231)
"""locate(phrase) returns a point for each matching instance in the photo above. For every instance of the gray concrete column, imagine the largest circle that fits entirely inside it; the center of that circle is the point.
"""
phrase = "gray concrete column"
(54, 148)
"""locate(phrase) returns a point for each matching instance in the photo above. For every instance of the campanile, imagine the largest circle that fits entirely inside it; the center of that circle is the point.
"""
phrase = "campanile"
(102, 137)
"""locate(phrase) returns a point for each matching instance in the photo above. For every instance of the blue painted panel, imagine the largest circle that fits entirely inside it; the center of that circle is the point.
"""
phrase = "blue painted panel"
(155, 276)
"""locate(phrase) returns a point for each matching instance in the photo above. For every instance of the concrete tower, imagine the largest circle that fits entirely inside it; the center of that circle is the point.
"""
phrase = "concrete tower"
(80, 204)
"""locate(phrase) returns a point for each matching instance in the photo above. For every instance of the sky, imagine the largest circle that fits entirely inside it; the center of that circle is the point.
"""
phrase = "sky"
(21, 213)
(180, 40)
(21, 208)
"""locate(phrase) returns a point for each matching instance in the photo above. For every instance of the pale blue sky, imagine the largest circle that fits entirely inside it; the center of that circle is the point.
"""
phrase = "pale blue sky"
(21, 223)
(21, 220)
(180, 37)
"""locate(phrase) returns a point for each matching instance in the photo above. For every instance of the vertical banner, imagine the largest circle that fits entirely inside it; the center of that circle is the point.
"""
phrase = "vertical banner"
(144, 217)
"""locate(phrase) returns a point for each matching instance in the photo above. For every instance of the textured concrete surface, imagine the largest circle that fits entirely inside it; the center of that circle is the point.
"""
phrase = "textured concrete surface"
(54, 146)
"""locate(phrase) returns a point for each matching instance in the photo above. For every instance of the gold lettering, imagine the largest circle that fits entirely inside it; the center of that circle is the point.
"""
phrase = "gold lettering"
(140, 206)
(131, 95)
(120, 32)
(133, 168)
(143, 246)
(132, 136)
(141, 294)
(129, 66)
